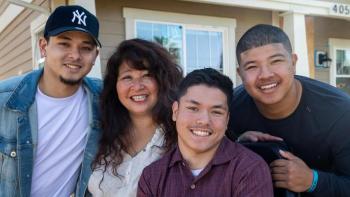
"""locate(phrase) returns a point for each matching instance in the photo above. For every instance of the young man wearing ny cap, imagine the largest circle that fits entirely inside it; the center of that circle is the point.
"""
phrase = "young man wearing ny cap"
(49, 119)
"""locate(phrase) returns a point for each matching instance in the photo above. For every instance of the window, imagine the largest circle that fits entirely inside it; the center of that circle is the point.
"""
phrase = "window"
(195, 41)
(343, 69)
(168, 35)
(37, 31)
(340, 68)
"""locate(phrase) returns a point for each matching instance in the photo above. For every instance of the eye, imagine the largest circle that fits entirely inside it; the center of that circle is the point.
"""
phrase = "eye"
(147, 75)
(64, 44)
(125, 78)
(218, 112)
(250, 67)
(87, 48)
(276, 61)
(192, 108)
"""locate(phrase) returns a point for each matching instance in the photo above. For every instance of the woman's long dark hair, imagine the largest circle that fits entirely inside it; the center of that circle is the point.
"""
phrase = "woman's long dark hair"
(116, 122)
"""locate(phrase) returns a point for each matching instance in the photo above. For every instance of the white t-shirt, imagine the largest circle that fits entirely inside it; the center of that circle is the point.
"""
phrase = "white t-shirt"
(62, 131)
(197, 171)
(130, 171)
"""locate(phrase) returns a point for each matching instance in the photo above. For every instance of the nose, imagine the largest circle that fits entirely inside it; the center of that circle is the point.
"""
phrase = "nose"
(203, 118)
(137, 84)
(265, 72)
(74, 53)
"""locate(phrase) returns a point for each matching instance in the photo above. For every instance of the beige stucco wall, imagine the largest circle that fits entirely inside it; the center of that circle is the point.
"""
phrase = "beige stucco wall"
(15, 42)
(326, 28)
(112, 22)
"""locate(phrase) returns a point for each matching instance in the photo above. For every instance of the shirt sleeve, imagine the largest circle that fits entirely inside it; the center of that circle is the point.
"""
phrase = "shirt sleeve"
(256, 181)
(337, 182)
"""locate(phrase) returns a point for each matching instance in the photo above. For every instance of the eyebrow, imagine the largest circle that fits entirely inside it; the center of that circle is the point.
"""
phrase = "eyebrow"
(64, 37)
(277, 55)
(124, 71)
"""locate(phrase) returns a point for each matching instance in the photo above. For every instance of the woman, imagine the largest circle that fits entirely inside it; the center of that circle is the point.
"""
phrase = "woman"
(136, 100)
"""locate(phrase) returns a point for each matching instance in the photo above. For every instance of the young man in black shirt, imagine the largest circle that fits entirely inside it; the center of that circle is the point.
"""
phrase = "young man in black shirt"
(310, 116)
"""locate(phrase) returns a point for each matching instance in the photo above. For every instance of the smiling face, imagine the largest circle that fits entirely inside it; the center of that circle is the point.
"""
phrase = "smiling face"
(267, 73)
(137, 90)
(69, 56)
(201, 121)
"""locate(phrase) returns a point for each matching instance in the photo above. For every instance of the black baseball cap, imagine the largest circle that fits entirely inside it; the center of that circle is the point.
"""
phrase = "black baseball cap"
(72, 18)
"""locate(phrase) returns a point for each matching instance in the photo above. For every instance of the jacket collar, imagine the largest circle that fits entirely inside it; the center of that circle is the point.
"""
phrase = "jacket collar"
(24, 94)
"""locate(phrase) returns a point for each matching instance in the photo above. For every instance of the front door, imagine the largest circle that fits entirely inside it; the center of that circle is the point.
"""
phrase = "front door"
(340, 65)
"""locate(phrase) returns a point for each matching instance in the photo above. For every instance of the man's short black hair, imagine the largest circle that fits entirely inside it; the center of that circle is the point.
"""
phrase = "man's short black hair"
(208, 77)
(261, 35)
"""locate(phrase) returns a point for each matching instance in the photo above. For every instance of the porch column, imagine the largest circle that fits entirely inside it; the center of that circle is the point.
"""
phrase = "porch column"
(294, 26)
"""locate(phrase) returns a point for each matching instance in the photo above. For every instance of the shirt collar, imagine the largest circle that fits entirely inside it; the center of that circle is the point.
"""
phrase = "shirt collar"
(158, 138)
(176, 157)
(223, 154)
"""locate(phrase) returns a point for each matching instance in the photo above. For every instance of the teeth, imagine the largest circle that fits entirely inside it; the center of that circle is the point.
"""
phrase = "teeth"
(72, 66)
(268, 86)
(139, 98)
(201, 133)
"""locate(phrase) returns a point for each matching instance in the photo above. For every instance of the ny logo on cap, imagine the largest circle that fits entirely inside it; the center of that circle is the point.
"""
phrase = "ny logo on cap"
(80, 17)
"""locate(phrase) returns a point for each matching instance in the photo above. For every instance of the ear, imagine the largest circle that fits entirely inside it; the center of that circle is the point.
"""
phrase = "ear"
(42, 46)
(238, 72)
(175, 109)
(294, 61)
(228, 117)
(97, 51)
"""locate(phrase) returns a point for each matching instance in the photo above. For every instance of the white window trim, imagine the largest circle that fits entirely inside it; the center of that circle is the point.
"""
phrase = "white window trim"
(335, 44)
(10, 13)
(228, 26)
(36, 26)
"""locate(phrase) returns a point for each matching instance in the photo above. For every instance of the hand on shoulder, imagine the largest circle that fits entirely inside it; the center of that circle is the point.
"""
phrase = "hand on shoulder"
(255, 136)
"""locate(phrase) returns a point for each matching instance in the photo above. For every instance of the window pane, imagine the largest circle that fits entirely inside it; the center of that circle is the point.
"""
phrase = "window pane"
(343, 62)
(216, 50)
(204, 49)
(169, 36)
(192, 53)
(143, 31)
(343, 84)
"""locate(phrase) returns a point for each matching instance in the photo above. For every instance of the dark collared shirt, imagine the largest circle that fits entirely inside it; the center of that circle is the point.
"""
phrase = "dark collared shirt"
(234, 171)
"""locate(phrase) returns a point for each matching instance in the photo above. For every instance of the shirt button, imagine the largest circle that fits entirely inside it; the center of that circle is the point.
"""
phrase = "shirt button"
(28, 142)
(193, 186)
(183, 163)
(13, 154)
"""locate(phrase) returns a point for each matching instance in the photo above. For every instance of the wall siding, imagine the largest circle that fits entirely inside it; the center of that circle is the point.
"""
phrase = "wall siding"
(15, 42)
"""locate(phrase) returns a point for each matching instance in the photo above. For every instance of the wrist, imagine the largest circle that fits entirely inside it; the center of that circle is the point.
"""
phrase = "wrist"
(314, 181)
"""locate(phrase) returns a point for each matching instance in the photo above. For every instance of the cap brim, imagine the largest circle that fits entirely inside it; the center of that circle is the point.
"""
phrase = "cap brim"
(64, 29)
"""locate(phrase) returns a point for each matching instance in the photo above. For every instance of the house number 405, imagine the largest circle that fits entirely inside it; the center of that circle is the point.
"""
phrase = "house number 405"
(340, 9)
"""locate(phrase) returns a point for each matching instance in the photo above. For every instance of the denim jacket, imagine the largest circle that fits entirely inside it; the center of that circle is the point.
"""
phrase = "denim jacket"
(18, 133)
